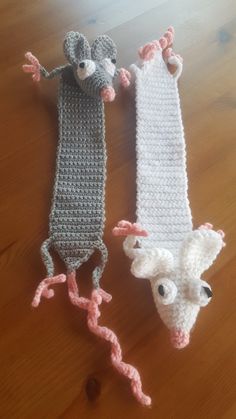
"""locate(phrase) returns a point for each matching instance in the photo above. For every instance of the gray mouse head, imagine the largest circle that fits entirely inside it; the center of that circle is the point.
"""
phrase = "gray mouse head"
(94, 67)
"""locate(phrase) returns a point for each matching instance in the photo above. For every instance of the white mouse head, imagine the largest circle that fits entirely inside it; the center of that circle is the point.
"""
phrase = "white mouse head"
(178, 290)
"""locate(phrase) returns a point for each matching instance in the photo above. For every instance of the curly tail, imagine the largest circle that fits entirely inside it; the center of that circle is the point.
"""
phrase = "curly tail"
(98, 295)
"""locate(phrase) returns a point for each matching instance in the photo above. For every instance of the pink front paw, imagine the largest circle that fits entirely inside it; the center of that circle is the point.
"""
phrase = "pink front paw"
(169, 54)
(148, 51)
(125, 228)
(33, 68)
(125, 77)
(108, 94)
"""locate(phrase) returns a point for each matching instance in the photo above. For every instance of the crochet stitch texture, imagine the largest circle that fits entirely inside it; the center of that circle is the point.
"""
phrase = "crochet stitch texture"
(77, 216)
(171, 255)
(78, 212)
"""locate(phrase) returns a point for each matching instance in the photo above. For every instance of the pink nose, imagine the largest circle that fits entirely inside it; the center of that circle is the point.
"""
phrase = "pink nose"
(179, 339)
(108, 94)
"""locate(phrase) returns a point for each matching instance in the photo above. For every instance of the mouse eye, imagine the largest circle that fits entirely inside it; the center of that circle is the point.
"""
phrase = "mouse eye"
(85, 69)
(109, 66)
(166, 291)
(200, 292)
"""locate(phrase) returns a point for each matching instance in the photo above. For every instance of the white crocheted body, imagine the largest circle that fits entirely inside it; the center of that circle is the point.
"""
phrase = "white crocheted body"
(172, 256)
(162, 202)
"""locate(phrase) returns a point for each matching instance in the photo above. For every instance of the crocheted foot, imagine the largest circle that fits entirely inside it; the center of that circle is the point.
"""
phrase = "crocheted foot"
(124, 77)
(125, 228)
(108, 94)
(206, 226)
(147, 52)
(33, 68)
(209, 226)
(171, 57)
(43, 289)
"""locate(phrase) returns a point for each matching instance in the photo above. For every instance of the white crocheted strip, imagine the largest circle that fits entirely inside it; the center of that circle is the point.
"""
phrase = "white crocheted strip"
(171, 255)
(162, 201)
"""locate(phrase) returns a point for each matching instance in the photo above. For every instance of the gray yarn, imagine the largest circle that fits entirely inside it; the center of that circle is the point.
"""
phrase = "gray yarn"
(78, 211)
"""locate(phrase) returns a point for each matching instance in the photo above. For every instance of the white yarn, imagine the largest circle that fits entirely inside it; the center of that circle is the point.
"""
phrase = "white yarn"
(172, 257)
(162, 202)
(89, 67)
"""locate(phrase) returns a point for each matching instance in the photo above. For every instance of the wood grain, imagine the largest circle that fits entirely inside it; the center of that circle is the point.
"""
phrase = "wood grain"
(51, 366)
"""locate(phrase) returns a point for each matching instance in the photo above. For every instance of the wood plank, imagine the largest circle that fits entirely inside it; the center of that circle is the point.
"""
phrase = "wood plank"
(48, 356)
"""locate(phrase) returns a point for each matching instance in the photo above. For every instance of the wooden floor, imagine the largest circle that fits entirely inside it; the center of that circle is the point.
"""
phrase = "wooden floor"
(51, 366)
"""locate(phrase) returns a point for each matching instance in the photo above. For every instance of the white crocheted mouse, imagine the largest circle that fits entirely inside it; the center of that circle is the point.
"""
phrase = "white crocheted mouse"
(171, 255)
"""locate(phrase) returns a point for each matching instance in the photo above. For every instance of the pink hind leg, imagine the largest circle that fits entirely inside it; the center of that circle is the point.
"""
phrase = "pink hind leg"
(125, 228)
(43, 289)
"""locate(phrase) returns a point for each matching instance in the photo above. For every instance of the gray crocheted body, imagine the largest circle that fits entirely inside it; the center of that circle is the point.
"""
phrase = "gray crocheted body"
(78, 214)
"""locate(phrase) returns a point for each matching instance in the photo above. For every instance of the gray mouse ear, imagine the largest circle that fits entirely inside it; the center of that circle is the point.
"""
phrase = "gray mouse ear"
(103, 47)
(76, 48)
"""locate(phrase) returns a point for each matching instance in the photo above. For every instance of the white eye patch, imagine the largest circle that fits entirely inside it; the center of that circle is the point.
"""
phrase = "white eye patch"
(85, 69)
(109, 66)
(199, 292)
(165, 290)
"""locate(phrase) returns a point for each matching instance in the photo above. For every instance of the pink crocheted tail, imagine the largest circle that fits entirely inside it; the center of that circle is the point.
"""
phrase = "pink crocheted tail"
(91, 305)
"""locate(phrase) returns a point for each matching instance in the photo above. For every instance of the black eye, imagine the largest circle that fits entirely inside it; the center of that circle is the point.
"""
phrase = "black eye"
(113, 60)
(208, 292)
(161, 290)
(82, 65)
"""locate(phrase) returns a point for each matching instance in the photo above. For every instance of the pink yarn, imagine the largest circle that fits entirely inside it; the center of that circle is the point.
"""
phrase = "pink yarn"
(163, 42)
(147, 52)
(179, 339)
(221, 232)
(167, 53)
(170, 53)
(108, 94)
(91, 305)
(209, 226)
(125, 77)
(43, 289)
(33, 68)
(206, 226)
(125, 228)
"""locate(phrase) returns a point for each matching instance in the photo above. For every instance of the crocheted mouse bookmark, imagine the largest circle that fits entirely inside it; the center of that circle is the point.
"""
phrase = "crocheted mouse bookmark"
(78, 212)
(171, 255)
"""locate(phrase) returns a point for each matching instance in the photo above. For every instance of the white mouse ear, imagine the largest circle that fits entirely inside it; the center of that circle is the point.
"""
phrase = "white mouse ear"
(199, 250)
(148, 263)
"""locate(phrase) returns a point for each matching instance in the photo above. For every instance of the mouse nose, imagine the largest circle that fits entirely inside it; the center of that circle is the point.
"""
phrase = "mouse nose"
(108, 94)
(179, 338)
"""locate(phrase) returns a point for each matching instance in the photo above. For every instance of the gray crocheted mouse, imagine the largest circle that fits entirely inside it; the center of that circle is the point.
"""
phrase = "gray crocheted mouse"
(77, 215)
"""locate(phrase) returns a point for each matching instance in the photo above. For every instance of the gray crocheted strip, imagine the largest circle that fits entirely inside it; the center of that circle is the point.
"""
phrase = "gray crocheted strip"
(78, 214)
